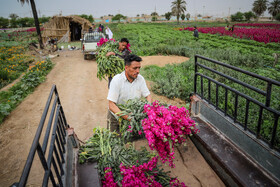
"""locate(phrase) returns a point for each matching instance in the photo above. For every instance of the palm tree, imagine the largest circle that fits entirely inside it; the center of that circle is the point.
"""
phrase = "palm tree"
(259, 7)
(274, 8)
(178, 8)
(36, 20)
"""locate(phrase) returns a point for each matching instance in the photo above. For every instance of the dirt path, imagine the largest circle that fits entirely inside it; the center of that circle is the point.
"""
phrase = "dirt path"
(84, 101)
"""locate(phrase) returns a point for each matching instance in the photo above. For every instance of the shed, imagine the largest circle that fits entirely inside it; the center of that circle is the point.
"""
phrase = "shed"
(65, 28)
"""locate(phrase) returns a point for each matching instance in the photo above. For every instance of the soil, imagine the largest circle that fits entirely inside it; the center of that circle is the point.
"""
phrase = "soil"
(83, 97)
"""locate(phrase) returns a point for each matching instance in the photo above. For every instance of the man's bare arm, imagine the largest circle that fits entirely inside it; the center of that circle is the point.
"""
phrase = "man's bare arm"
(149, 98)
(110, 53)
(115, 109)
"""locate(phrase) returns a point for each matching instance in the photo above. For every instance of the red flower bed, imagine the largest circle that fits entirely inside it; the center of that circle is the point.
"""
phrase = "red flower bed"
(263, 34)
(30, 30)
(270, 25)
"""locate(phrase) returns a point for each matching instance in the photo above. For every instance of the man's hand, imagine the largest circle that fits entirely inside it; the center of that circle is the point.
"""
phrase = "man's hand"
(126, 117)
(149, 98)
(115, 109)
(110, 53)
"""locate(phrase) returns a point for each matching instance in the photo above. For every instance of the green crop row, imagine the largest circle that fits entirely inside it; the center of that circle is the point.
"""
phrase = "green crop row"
(178, 80)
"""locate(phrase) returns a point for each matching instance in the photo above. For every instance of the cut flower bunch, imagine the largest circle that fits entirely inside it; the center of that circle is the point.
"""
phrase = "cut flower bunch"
(108, 65)
(135, 109)
(120, 164)
(146, 174)
(165, 127)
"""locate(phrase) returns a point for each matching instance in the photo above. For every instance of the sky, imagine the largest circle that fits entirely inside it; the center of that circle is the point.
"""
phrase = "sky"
(130, 8)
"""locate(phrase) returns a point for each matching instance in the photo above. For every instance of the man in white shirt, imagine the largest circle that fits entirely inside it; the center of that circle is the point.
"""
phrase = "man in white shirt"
(127, 85)
(109, 33)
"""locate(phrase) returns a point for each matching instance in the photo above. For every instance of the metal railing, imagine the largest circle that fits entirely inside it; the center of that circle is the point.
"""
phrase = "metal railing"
(53, 163)
(238, 94)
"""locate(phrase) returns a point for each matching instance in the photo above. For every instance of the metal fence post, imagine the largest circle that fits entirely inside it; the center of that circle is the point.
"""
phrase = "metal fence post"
(195, 75)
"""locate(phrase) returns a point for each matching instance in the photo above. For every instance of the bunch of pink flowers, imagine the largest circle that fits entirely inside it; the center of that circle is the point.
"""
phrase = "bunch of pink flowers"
(136, 176)
(109, 178)
(143, 175)
(104, 41)
(165, 127)
(127, 47)
(176, 183)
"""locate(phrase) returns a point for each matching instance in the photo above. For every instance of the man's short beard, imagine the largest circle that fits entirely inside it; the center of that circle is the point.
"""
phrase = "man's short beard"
(131, 77)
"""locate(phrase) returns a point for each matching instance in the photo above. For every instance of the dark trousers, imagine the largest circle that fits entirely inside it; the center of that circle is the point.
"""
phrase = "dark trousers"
(112, 122)
(109, 81)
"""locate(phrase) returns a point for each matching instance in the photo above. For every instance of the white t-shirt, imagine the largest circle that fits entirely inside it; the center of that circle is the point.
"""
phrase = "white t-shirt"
(122, 90)
(109, 33)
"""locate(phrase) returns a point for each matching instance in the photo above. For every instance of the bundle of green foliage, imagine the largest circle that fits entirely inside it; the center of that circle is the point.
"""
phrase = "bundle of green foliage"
(108, 65)
(132, 129)
(110, 151)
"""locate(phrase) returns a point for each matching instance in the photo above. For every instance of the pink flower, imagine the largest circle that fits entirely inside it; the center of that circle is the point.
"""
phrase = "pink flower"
(109, 178)
(165, 127)
(127, 47)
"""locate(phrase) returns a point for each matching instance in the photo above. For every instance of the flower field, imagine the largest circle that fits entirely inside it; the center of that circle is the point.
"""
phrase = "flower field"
(29, 81)
(148, 39)
(269, 25)
(18, 38)
(15, 62)
(176, 81)
(259, 33)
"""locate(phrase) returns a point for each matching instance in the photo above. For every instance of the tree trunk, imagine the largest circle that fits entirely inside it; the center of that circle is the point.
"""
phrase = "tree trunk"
(178, 18)
(37, 25)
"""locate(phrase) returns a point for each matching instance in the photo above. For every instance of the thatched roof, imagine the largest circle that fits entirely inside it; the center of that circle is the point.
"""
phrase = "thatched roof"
(58, 26)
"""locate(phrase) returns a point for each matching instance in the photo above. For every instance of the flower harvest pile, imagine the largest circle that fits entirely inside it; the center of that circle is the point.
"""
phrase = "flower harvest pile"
(165, 127)
(108, 65)
(137, 176)
(119, 164)
(133, 128)
(122, 165)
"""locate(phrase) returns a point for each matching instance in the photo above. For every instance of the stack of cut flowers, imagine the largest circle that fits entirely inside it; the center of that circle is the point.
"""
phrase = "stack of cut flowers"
(108, 65)
(164, 126)
(122, 165)
(132, 130)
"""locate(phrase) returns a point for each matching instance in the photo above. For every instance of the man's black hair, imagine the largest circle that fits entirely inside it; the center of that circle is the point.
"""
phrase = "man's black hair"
(129, 58)
(124, 40)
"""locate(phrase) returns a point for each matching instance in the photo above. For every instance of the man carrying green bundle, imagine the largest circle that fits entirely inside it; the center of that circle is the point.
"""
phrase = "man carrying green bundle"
(123, 49)
(124, 86)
